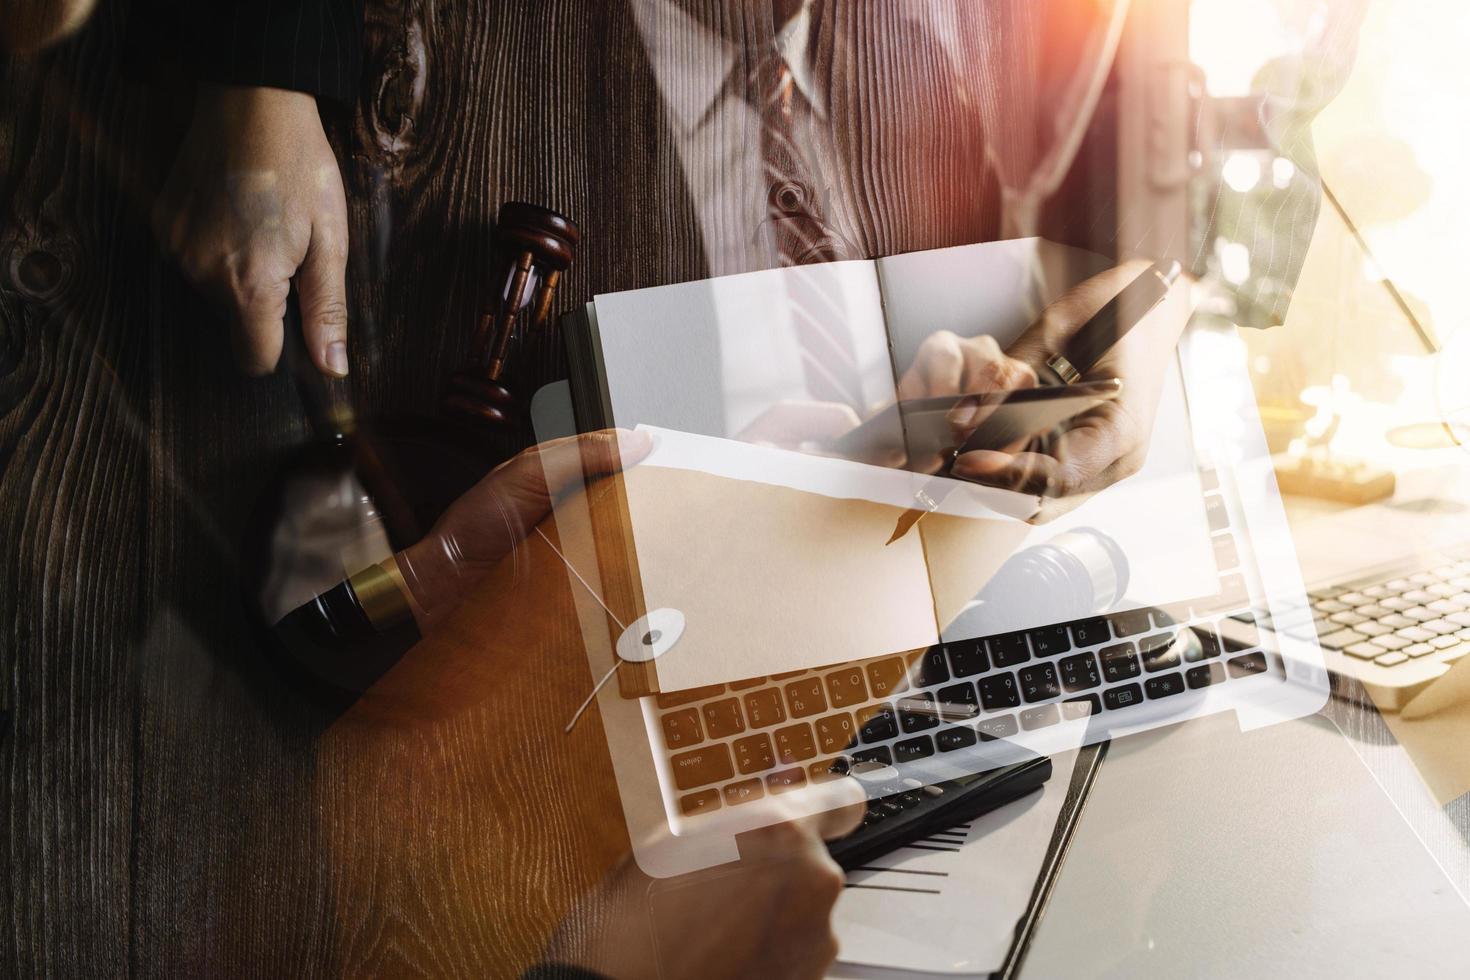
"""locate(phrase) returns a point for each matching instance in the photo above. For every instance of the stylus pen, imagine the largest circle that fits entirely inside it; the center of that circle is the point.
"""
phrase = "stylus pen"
(1111, 324)
(1078, 355)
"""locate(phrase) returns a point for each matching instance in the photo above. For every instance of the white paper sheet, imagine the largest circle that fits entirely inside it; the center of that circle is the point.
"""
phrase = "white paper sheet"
(840, 478)
(951, 906)
(701, 360)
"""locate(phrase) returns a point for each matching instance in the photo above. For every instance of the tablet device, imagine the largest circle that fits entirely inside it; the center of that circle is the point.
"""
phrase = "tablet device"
(928, 437)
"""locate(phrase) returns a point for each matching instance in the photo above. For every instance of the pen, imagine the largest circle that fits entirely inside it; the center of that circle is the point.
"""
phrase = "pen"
(1078, 355)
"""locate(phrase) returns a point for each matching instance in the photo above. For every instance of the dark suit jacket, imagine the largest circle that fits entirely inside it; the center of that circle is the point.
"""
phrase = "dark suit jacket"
(310, 46)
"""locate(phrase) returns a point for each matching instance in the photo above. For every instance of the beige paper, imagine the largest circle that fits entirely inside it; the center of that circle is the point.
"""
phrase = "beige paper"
(962, 554)
(1434, 729)
(772, 579)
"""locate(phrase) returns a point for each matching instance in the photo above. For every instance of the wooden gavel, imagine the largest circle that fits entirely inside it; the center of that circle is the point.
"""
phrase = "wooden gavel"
(533, 247)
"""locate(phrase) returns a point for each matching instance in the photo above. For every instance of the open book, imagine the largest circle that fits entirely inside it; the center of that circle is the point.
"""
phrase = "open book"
(777, 554)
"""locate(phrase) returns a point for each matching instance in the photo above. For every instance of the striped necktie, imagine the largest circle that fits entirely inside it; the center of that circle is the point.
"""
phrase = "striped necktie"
(801, 236)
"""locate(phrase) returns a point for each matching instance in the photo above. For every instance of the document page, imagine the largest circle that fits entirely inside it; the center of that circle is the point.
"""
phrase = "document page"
(1155, 518)
(781, 561)
(745, 354)
(949, 904)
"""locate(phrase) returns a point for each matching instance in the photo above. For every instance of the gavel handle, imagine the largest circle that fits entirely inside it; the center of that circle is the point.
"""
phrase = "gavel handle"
(507, 318)
(544, 298)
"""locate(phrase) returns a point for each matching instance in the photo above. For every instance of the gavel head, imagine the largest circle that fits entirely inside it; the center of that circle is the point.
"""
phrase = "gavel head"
(550, 238)
(533, 247)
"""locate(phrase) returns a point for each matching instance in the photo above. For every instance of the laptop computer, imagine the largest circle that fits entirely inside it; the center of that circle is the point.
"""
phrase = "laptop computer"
(688, 760)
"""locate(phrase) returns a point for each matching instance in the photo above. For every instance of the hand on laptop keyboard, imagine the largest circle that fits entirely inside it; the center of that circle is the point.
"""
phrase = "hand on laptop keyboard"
(768, 915)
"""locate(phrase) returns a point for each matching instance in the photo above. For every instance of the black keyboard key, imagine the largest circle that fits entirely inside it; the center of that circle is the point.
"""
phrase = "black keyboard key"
(1083, 707)
(1039, 683)
(1090, 632)
(1049, 641)
(954, 737)
(1079, 672)
(968, 658)
(929, 668)
(887, 677)
(1039, 717)
(1119, 662)
(917, 712)
(958, 702)
(999, 692)
(906, 801)
(1131, 623)
(879, 754)
(884, 808)
(1122, 697)
(1159, 652)
(1009, 649)
(877, 724)
(913, 748)
(1204, 675)
(1164, 686)
(1001, 726)
(1208, 640)
(1251, 663)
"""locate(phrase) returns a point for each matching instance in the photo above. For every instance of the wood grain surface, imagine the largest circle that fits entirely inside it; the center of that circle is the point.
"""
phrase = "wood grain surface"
(173, 808)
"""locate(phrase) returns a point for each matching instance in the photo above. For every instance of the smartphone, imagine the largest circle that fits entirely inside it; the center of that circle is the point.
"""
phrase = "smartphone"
(918, 431)
(1031, 412)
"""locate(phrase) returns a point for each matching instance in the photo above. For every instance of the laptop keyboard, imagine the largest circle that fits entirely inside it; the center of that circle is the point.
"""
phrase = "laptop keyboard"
(733, 743)
(729, 744)
(1400, 619)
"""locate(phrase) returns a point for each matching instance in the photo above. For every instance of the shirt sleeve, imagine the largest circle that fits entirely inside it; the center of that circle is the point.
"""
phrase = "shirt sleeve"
(312, 46)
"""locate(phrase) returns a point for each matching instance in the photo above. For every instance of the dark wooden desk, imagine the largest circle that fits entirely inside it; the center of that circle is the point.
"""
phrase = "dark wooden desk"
(164, 794)
(170, 808)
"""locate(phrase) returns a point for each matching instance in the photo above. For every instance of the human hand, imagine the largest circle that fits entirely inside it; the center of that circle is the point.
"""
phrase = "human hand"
(1110, 442)
(483, 526)
(947, 364)
(255, 198)
(767, 915)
